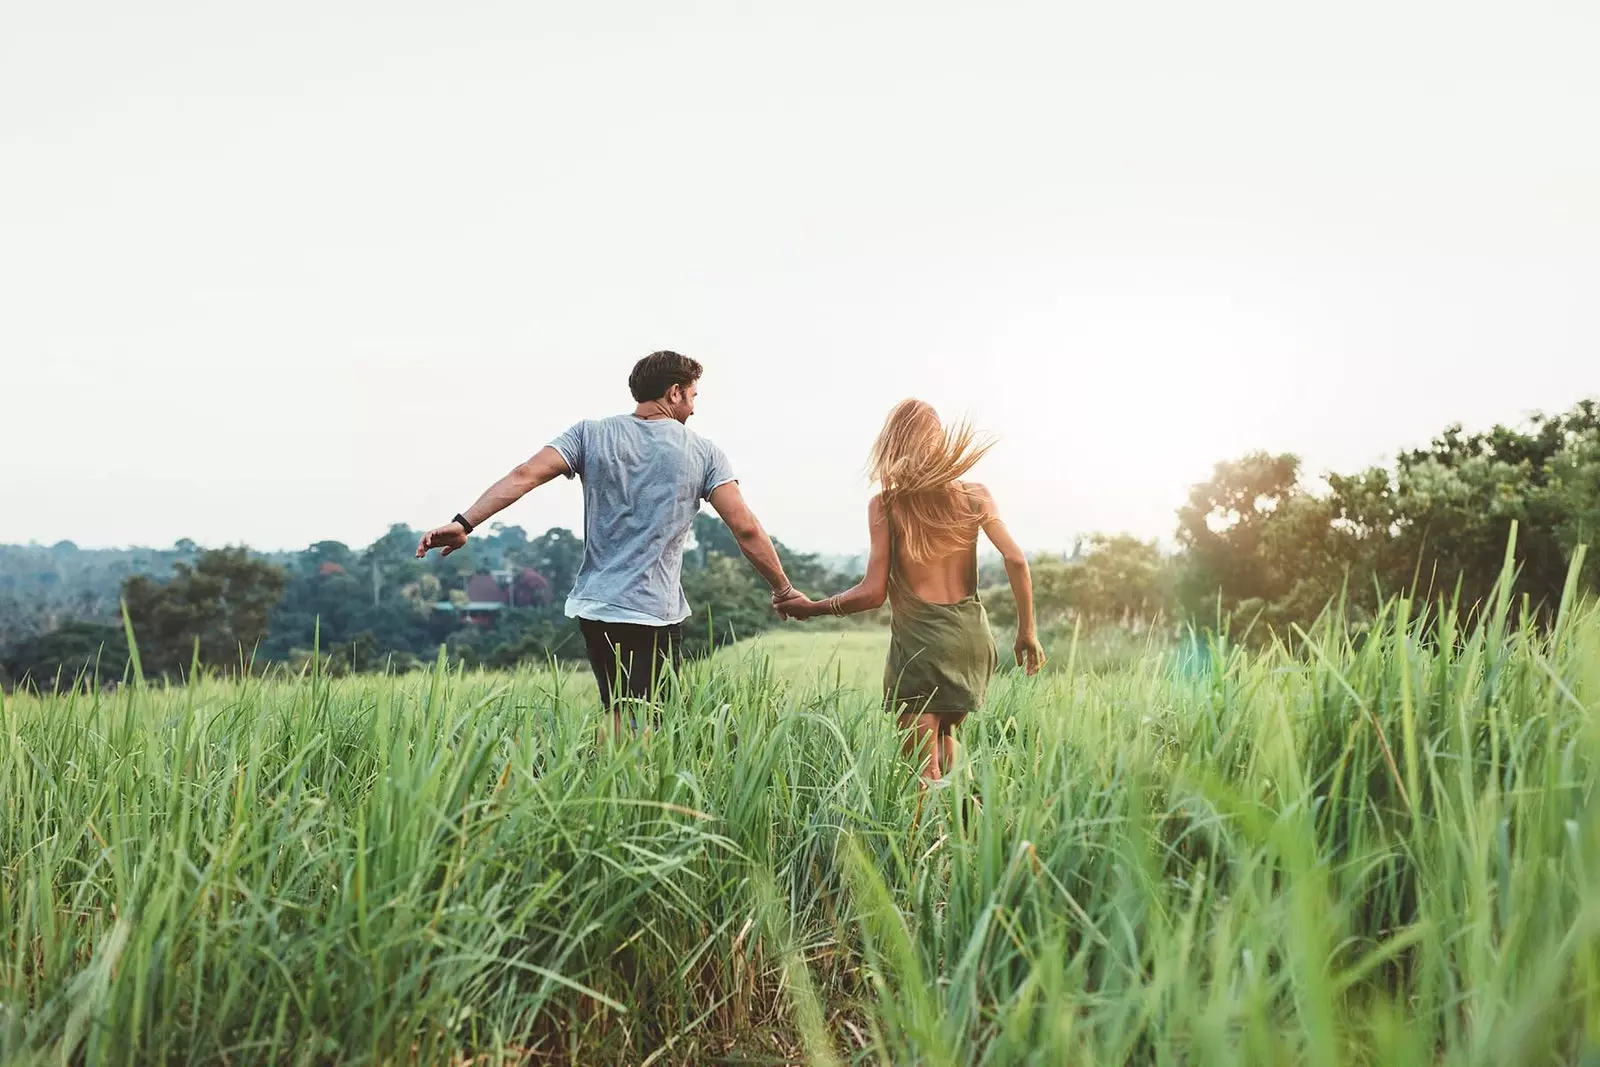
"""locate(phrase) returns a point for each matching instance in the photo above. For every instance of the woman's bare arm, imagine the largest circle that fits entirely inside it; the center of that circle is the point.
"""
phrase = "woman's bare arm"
(1030, 654)
(865, 595)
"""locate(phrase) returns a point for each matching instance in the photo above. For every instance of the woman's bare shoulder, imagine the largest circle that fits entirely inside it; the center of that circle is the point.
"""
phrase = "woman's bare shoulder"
(980, 496)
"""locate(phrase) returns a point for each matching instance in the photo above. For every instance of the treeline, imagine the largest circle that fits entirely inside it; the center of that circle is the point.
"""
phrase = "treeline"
(1261, 547)
(497, 602)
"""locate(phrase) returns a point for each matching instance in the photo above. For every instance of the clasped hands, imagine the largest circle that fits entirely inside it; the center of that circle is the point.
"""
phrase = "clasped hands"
(790, 603)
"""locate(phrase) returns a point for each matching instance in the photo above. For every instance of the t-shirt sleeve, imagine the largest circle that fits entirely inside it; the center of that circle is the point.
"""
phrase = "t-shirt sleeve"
(718, 470)
(570, 445)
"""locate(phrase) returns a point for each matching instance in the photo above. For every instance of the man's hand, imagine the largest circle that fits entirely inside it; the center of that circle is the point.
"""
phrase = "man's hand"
(795, 605)
(1030, 654)
(449, 537)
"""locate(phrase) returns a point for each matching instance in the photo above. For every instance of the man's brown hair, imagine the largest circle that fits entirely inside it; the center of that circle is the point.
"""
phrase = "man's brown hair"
(659, 371)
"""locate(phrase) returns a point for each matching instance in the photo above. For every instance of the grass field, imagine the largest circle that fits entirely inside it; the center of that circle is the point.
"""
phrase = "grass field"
(812, 658)
(1381, 854)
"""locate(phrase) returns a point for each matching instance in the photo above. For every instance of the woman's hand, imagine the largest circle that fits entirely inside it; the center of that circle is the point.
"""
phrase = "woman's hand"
(1030, 654)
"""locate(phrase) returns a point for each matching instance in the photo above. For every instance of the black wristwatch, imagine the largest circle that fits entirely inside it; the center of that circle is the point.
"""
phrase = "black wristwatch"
(462, 519)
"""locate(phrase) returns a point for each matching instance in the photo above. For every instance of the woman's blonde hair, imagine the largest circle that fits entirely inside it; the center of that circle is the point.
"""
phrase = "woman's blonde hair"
(917, 460)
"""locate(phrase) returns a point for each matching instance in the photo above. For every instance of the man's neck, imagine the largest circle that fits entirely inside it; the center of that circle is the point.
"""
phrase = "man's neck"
(652, 410)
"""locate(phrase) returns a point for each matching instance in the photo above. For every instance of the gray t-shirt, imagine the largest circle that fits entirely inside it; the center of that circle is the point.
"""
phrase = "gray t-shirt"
(643, 481)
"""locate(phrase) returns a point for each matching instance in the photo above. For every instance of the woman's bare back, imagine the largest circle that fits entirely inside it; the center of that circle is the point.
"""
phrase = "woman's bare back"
(947, 579)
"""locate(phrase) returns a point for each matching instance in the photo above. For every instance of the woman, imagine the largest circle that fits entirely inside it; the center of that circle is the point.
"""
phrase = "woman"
(924, 524)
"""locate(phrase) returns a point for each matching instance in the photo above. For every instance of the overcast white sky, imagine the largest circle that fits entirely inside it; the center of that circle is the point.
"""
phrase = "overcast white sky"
(281, 272)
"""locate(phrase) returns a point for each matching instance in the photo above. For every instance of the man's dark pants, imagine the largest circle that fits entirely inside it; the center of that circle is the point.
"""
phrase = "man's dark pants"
(635, 656)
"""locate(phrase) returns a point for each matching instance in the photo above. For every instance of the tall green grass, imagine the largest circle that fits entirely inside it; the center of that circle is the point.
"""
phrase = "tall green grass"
(1381, 851)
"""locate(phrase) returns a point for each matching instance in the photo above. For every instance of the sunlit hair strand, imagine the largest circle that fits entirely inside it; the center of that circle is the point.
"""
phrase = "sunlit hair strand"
(917, 461)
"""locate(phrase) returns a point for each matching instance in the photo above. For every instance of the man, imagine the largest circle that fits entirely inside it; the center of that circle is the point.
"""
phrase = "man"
(644, 476)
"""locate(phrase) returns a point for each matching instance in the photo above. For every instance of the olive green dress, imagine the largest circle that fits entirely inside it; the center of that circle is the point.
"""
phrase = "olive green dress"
(941, 656)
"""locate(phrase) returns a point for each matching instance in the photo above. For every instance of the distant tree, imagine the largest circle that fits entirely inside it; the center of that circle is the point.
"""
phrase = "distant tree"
(1108, 579)
(1120, 578)
(712, 537)
(421, 595)
(369, 607)
(396, 547)
(557, 554)
(321, 600)
(77, 648)
(1052, 578)
(805, 570)
(390, 563)
(223, 601)
(532, 588)
(510, 544)
(1223, 527)
(23, 615)
(325, 552)
(729, 601)
(1436, 525)
(520, 636)
(1456, 500)
(1575, 476)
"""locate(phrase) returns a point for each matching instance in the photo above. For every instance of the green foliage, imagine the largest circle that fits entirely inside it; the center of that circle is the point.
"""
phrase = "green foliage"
(1260, 546)
(1316, 853)
(96, 651)
(521, 636)
(556, 554)
(216, 608)
(1119, 578)
(1261, 552)
(1227, 529)
(42, 587)
(371, 609)
(1109, 580)
(730, 600)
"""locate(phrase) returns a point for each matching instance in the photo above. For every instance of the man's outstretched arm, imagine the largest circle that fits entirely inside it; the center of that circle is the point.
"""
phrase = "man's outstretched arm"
(525, 477)
(746, 529)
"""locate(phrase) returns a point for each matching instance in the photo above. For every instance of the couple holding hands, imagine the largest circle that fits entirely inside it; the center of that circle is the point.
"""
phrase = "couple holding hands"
(644, 476)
